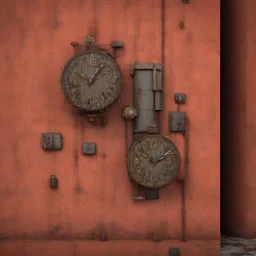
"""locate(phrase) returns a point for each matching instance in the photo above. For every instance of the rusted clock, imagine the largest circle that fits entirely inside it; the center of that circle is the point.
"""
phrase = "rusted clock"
(153, 161)
(91, 80)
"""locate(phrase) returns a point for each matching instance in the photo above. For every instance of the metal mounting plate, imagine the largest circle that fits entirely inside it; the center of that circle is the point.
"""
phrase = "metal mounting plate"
(145, 66)
(117, 44)
(89, 148)
(52, 141)
(151, 194)
(177, 121)
(174, 252)
(180, 98)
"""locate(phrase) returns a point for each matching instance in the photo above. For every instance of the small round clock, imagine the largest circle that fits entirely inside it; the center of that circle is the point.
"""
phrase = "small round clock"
(91, 80)
(153, 161)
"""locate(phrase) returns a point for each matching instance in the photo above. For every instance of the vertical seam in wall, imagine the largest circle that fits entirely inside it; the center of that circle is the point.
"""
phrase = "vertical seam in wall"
(163, 54)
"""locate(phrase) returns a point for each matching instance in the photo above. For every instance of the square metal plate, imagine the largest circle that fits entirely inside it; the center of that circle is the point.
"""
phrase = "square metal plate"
(151, 194)
(174, 252)
(52, 141)
(180, 98)
(177, 121)
(89, 148)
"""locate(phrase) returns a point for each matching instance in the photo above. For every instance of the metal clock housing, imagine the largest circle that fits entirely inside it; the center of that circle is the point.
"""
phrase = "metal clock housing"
(91, 80)
(153, 161)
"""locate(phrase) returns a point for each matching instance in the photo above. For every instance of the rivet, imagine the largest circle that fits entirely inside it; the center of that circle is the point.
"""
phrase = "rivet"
(182, 25)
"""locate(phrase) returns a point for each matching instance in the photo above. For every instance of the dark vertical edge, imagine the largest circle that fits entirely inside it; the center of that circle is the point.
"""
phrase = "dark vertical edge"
(223, 12)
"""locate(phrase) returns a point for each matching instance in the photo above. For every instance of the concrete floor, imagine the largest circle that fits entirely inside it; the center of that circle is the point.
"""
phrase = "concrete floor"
(237, 246)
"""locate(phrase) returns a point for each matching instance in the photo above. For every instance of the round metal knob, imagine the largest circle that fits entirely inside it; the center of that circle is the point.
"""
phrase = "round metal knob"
(129, 112)
(89, 39)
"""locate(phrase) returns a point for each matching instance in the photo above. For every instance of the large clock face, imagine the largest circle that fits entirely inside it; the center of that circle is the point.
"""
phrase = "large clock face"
(153, 161)
(91, 80)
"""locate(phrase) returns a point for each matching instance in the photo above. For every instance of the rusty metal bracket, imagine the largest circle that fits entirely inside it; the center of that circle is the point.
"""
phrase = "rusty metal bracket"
(151, 194)
(180, 98)
(146, 66)
(89, 44)
(77, 47)
(154, 129)
(147, 194)
(103, 236)
(138, 198)
(98, 118)
(116, 45)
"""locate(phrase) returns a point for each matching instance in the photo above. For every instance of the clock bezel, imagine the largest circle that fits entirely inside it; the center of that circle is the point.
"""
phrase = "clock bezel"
(128, 158)
(64, 68)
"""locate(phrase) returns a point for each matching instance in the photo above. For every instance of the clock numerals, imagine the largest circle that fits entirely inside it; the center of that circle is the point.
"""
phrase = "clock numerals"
(139, 170)
(154, 144)
(136, 160)
(153, 177)
(81, 63)
(93, 63)
(110, 93)
(90, 102)
(168, 160)
(145, 178)
(143, 151)
(103, 96)
(108, 70)
(145, 145)
(112, 80)
(75, 94)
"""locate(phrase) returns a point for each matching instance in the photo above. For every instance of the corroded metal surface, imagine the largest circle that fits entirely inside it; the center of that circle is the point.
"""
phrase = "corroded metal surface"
(91, 80)
(153, 161)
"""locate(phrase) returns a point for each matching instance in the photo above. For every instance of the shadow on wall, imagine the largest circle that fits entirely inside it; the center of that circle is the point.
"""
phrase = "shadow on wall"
(232, 72)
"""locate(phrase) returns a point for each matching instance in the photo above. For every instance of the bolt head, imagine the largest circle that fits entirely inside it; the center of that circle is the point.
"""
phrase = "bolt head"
(89, 39)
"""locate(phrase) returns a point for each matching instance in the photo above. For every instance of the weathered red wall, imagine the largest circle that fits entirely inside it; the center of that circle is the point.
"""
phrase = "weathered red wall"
(239, 122)
(95, 192)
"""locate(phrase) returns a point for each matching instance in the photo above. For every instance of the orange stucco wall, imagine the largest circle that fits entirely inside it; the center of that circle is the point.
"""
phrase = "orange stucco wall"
(95, 192)
(239, 123)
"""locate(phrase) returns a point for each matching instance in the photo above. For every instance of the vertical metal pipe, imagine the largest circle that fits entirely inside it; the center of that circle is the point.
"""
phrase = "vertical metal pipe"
(183, 188)
(143, 100)
(160, 94)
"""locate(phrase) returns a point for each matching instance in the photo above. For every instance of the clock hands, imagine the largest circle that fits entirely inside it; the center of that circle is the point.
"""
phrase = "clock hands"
(93, 76)
(86, 77)
(149, 158)
(154, 162)
(150, 171)
(163, 156)
(96, 73)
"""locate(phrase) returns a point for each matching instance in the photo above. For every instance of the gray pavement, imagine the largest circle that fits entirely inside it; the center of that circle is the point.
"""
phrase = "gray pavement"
(231, 246)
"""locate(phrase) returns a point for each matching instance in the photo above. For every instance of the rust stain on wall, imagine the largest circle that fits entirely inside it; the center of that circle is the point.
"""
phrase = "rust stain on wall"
(93, 26)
